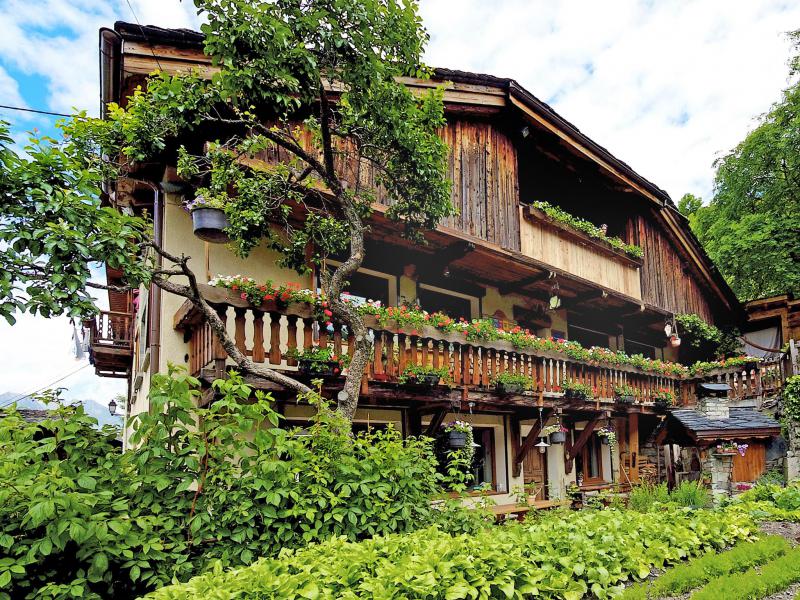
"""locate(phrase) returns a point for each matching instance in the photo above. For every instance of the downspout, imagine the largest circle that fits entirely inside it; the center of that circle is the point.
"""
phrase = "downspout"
(154, 316)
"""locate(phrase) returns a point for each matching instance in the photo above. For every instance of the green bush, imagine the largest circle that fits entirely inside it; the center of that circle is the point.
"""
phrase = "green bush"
(696, 572)
(755, 583)
(791, 398)
(78, 518)
(643, 497)
(690, 493)
(560, 555)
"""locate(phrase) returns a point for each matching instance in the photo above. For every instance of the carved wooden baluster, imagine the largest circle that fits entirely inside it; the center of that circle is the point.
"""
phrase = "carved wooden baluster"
(456, 364)
(413, 353)
(220, 356)
(275, 338)
(402, 357)
(485, 358)
(291, 340)
(258, 337)
(436, 354)
(308, 333)
(238, 332)
(323, 336)
(390, 366)
(425, 353)
(377, 354)
(466, 364)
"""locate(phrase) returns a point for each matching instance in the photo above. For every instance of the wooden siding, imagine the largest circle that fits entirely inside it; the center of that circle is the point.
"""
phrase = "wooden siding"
(565, 250)
(752, 465)
(665, 280)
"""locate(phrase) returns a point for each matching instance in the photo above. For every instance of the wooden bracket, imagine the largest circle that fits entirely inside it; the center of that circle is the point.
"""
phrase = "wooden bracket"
(436, 422)
(581, 441)
(530, 441)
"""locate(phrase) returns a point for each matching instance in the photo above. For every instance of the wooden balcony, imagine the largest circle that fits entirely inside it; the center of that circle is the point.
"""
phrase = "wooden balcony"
(111, 343)
(574, 252)
(267, 332)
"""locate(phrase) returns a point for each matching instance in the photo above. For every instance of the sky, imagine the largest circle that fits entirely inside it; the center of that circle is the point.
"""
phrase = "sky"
(665, 86)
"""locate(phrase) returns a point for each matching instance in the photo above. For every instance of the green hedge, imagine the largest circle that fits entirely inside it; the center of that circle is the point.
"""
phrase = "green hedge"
(563, 555)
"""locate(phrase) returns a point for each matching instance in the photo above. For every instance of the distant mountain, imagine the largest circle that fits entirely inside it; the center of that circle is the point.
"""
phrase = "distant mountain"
(92, 408)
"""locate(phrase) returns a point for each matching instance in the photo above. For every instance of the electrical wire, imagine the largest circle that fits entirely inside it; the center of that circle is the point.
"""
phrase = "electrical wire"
(37, 111)
(44, 387)
(144, 35)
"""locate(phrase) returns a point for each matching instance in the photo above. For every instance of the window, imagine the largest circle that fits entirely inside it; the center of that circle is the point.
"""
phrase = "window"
(367, 284)
(483, 468)
(589, 462)
(632, 347)
(588, 337)
(451, 304)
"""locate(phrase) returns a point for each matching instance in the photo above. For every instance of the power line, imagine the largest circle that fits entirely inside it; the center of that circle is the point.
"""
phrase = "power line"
(144, 35)
(44, 387)
(37, 111)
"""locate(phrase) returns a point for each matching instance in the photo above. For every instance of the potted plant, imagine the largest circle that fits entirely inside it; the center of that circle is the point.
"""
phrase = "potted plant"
(624, 393)
(318, 362)
(608, 436)
(459, 434)
(576, 391)
(507, 383)
(751, 362)
(557, 433)
(209, 220)
(423, 375)
(664, 398)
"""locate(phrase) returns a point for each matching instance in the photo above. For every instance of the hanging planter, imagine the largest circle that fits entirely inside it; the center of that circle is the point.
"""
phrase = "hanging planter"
(459, 436)
(559, 437)
(674, 340)
(508, 384)
(576, 391)
(422, 376)
(318, 362)
(457, 439)
(318, 368)
(624, 394)
(209, 220)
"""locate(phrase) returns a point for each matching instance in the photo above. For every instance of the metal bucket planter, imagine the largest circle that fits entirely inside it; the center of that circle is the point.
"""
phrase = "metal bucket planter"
(319, 368)
(209, 225)
(507, 389)
(625, 399)
(558, 437)
(456, 439)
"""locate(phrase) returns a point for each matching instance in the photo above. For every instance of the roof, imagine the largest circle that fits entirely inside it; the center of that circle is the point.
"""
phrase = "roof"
(32, 415)
(741, 420)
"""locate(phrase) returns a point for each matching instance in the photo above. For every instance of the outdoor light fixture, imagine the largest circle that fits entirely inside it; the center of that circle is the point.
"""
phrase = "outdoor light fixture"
(542, 446)
(112, 407)
(446, 272)
(671, 331)
(555, 300)
(525, 131)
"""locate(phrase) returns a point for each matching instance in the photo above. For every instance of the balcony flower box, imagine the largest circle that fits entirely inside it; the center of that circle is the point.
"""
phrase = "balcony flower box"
(316, 368)
(508, 384)
(318, 362)
(422, 376)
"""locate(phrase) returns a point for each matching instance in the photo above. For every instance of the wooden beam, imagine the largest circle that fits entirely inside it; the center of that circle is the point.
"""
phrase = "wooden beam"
(522, 283)
(582, 439)
(529, 442)
(436, 422)
(579, 299)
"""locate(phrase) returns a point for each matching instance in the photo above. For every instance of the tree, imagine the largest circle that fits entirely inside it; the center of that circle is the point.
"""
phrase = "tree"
(314, 81)
(689, 204)
(752, 225)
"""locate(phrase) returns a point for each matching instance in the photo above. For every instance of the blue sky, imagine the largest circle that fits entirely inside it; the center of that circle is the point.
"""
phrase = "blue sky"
(666, 86)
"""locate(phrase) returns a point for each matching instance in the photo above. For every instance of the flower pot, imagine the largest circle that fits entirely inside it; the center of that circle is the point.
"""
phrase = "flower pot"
(317, 368)
(425, 380)
(457, 439)
(209, 225)
(751, 365)
(725, 452)
(662, 403)
(575, 395)
(626, 399)
(604, 440)
(559, 437)
(507, 389)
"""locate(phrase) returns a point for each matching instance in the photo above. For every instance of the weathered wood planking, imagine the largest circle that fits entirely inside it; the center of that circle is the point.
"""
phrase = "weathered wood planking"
(667, 281)
(544, 242)
(482, 165)
(752, 465)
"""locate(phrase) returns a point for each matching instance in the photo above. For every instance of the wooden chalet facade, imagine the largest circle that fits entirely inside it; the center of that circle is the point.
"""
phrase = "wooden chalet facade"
(500, 258)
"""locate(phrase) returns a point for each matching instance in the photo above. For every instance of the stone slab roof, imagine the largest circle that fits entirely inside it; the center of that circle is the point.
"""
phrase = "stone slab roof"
(740, 420)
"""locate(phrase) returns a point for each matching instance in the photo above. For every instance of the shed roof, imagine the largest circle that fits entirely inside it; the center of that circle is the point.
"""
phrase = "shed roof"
(743, 422)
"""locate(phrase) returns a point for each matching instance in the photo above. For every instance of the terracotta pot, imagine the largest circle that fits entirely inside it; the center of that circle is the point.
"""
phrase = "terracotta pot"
(209, 225)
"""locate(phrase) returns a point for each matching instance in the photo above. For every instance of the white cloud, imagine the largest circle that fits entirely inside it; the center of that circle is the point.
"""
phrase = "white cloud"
(664, 86)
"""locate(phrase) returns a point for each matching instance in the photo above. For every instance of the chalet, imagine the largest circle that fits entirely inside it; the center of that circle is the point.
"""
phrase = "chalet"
(613, 281)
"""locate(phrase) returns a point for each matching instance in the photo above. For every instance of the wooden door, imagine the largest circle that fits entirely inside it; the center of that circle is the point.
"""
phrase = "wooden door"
(752, 465)
(534, 469)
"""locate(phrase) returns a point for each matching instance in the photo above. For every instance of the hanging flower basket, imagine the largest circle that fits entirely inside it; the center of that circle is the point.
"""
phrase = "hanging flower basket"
(559, 437)
(626, 399)
(318, 362)
(456, 439)
(209, 225)
(508, 389)
(422, 376)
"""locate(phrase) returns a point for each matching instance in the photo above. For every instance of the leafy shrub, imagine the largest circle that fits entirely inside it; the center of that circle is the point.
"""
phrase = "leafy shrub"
(690, 575)
(791, 398)
(643, 497)
(690, 493)
(560, 555)
(755, 583)
(80, 518)
(772, 477)
(704, 342)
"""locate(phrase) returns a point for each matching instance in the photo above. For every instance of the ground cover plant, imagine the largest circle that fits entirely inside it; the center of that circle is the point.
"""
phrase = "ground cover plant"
(559, 555)
(755, 583)
(647, 497)
(79, 518)
(699, 571)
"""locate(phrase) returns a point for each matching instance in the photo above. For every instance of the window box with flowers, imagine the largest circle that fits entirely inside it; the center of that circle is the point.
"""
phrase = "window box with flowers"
(730, 449)
(625, 394)
(576, 391)
(507, 384)
(664, 398)
(319, 362)
(209, 220)
(425, 376)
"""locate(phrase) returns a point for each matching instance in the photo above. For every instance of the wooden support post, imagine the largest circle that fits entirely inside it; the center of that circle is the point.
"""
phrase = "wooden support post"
(633, 447)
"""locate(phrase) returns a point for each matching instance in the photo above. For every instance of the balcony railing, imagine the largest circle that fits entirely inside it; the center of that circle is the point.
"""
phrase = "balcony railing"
(266, 334)
(111, 342)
